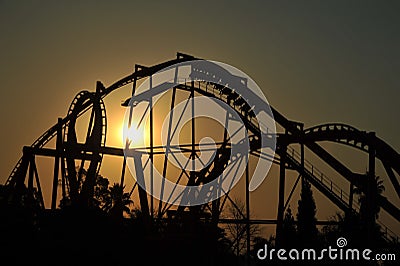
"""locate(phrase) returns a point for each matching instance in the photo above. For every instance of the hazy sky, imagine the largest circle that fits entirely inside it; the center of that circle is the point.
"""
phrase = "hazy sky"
(316, 61)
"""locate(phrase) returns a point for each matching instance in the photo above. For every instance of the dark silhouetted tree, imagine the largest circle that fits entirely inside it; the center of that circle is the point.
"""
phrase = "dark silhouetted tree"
(102, 195)
(236, 232)
(306, 221)
(120, 200)
(110, 199)
(289, 233)
(369, 207)
(370, 231)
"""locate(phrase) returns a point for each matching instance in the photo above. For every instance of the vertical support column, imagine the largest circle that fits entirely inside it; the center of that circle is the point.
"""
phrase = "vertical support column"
(247, 214)
(144, 205)
(193, 128)
(151, 154)
(122, 181)
(164, 173)
(30, 177)
(193, 138)
(63, 177)
(32, 201)
(123, 173)
(56, 164)
(281, 200)
(351, 197)
(302, 150)
(215, 212)
(39, 189)
(371, 197)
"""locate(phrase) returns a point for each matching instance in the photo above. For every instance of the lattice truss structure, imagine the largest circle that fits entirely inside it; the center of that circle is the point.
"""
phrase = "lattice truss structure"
(70, 156)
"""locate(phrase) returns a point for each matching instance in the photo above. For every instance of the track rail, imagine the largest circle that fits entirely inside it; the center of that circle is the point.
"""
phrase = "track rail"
(47, 136)
(335, 132)
(340, 133)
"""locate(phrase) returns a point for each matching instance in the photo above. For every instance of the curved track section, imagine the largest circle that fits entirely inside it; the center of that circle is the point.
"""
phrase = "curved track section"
(339, 133)
(353, 137)
(294, 133)
(19, 171)
(95, 137)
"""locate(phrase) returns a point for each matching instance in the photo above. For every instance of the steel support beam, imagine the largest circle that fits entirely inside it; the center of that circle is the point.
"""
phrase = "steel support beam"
(144, 205)
(281, 195)
(56, 164)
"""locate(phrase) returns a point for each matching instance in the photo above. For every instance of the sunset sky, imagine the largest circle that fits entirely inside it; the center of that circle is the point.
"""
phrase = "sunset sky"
(316, 61)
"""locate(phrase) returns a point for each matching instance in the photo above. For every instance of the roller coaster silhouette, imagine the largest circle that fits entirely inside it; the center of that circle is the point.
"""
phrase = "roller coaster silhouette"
(69, 152)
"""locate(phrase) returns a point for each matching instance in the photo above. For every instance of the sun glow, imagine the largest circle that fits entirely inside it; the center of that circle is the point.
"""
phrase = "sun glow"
(134, 135)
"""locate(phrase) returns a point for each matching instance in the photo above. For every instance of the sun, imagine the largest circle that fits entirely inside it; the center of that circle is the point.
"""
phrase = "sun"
(133, 135)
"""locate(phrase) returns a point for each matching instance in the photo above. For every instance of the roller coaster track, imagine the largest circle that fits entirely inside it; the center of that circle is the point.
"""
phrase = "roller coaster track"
(353, 137)
(95, 136)
(331, 190)
(46, 137)
(339, 133)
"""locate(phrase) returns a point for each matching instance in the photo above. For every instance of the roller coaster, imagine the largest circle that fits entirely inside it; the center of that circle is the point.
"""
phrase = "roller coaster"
(68, 153)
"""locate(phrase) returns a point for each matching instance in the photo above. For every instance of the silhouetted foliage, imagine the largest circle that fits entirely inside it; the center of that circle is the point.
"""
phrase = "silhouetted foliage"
(120, 200)
(101, 236)
(110, 199)
(360, 229)
(306, 221)
(21, 197)
(236, 232)
(289, 232)
(102, 197)
(369, 207)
